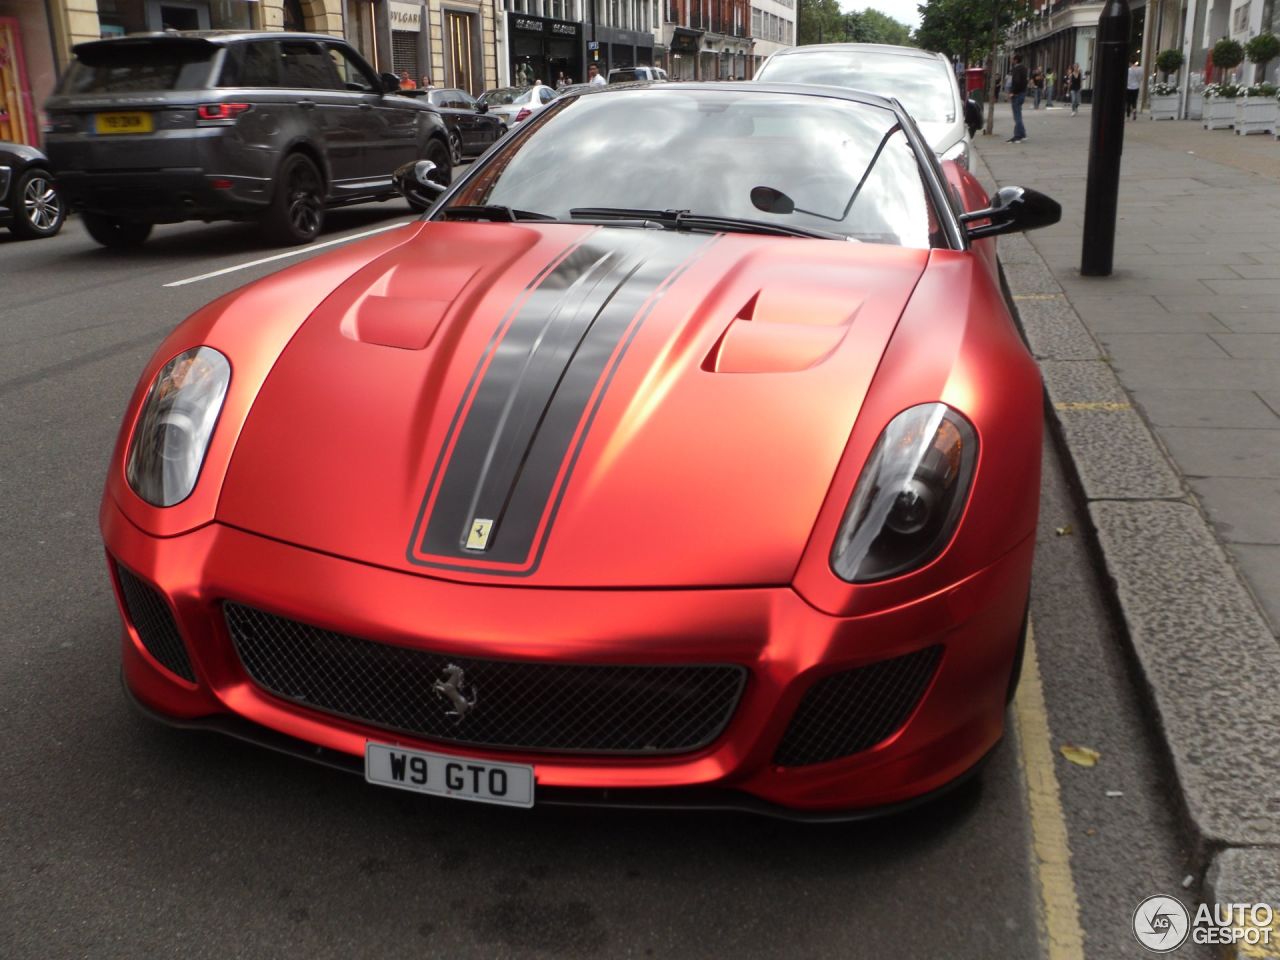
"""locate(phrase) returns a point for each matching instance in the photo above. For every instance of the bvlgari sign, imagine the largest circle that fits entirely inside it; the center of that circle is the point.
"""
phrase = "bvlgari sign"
(406, 16)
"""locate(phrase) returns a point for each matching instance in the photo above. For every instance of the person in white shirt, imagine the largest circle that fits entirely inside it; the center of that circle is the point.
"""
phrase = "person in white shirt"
(594, 76)
(1132, 86)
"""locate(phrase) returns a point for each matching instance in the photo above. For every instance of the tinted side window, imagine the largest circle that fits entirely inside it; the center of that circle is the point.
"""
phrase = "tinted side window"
(251, 65)
(350, 73)
(305, 64)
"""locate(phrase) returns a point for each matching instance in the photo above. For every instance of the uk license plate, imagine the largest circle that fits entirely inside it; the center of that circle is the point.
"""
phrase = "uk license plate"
(132, 122)
(510, 784)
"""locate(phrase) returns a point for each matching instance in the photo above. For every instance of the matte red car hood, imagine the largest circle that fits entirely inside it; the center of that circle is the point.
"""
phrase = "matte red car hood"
(558, 405)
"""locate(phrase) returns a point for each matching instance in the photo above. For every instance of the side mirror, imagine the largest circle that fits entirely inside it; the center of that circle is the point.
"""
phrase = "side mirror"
(482, 107)
(414, 182)
(1013, 209)
(972, 116)
(390, 82)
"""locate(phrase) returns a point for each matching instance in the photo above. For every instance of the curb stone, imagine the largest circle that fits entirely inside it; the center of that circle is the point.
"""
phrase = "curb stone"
(1247, 876)
(1210, 663)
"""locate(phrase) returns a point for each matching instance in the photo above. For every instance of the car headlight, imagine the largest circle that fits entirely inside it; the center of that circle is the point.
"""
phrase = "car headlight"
(910, 495)
(175, 425)
(959, 153)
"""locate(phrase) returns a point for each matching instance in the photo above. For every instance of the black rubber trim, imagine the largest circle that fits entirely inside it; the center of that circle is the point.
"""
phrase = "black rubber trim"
(669, 799)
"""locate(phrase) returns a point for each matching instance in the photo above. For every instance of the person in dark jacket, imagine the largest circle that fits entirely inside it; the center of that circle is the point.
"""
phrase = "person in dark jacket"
(1073, 87)
(1018, 96)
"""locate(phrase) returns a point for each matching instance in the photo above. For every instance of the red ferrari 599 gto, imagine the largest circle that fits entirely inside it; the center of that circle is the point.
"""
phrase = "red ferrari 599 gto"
(684, 454)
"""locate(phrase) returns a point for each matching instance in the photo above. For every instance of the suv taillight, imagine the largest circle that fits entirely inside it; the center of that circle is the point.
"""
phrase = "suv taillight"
(524, 113)
(214, 112)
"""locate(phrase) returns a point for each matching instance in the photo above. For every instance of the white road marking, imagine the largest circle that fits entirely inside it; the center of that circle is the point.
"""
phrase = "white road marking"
(310, 248)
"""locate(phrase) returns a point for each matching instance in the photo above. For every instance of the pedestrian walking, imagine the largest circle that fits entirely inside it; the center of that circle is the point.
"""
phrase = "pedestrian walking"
(1132, 85)
(1037, 82)
(594, 76)
(1050, 78)
(406, 81)
(1073, 87)
(1017, 95)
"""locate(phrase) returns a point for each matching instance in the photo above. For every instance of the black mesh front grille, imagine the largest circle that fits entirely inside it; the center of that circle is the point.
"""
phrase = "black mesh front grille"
(517, 704)
(852, 711)
(150, 616)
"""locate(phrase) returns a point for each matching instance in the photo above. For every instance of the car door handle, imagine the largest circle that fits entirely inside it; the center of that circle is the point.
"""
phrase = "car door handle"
(306, 104)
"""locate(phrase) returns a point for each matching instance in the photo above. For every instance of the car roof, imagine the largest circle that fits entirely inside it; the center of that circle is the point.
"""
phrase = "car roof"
(765, 86)
(213, 37)
(888, 48)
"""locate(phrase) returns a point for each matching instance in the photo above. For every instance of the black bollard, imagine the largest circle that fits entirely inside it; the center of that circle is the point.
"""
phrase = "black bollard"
(1110, 70)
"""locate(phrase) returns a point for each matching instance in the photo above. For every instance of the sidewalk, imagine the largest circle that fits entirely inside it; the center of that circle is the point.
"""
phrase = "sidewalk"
(1164, 380)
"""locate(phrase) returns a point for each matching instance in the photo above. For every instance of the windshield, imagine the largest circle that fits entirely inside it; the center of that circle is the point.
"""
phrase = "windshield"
(922, 84)
(502, 96)
(845, 167)
(129, 67)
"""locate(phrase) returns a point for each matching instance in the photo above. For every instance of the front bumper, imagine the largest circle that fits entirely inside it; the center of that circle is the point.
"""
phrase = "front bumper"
(784, 643)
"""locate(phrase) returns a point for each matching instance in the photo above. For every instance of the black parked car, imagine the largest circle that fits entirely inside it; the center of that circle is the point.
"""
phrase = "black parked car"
(160, 128)
(30, 204)
(471, 129)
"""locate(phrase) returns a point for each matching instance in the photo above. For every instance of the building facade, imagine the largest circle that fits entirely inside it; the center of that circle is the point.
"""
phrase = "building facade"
(773, 25)
(708, 39)
(1060, 32)
(546, 39)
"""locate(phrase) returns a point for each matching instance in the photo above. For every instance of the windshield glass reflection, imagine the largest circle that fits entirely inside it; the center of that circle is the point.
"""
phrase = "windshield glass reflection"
(846, 167)
(922, 85)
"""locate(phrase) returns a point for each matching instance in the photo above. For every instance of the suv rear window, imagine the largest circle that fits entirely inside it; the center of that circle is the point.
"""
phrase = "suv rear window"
(115, 66)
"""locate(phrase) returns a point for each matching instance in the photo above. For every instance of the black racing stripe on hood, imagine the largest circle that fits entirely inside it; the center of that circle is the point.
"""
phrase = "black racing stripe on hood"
(524, 413)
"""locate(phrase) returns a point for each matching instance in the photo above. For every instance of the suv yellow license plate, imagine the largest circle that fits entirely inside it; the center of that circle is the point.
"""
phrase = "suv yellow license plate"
(133, 122)
(510, 784)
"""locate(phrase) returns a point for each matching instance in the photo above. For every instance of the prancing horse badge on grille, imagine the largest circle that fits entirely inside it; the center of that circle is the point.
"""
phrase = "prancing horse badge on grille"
(453, 688)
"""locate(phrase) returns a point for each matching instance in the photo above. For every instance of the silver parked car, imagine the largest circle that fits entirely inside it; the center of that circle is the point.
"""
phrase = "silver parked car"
(923, 82)
(516, 104)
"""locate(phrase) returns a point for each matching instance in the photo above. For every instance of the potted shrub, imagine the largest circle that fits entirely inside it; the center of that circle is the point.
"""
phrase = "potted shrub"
(1257, 110)
(1220, 105)
(1164, 95)
(1261, 50)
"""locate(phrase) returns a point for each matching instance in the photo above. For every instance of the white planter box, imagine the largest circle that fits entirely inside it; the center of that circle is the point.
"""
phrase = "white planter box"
(1256, 115)
(1195, 106)
(1164, 107)
(1219, 113)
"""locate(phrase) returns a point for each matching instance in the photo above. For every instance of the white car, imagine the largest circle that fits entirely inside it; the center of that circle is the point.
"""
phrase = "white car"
(516, 104)
(923, 82)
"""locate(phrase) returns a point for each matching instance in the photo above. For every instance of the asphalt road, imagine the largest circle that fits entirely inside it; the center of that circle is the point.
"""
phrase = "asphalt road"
(119, 838)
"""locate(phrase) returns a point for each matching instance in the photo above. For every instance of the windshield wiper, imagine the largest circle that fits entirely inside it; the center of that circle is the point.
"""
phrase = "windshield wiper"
(491, 211)
(684, 220)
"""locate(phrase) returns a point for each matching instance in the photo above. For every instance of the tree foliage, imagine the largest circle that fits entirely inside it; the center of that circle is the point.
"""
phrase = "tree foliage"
(1227, 54)
(1169, 61)
(962, 28)
(1262, 49)
(822, 21)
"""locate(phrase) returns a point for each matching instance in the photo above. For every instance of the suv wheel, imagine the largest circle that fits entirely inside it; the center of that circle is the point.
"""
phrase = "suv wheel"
(438, 154)
(115, 233)
(455, 148)
(40, 208)
(296, 213)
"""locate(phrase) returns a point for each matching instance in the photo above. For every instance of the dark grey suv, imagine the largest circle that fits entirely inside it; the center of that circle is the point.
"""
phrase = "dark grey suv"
(160, 128)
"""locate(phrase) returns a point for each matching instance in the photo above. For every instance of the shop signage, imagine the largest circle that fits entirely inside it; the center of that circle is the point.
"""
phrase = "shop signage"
(406, 16)
(556, 28)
